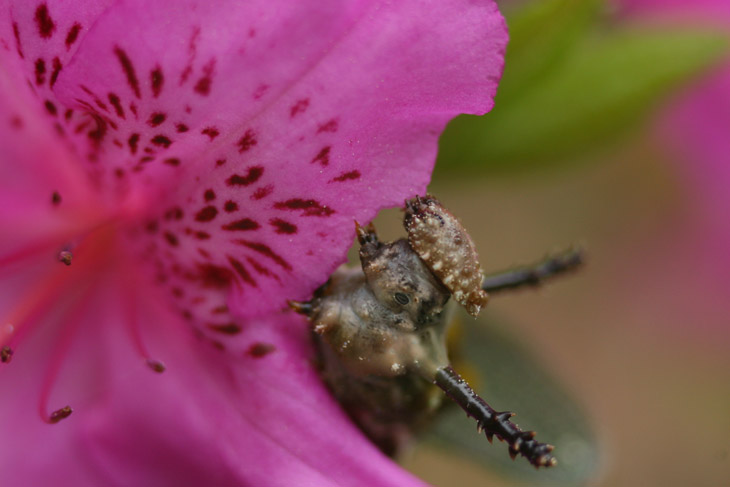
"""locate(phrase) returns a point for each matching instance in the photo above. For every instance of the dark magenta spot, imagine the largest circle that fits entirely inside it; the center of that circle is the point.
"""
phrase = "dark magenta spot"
(228, 328)
(266, 251)
(157, 80)
(323, 156)
(177, 292)
(73, 34)
(133, 109)
(202, 87)
(97, 135)
(128, 69)
(202, 235)
(299, 107)
(259, 349)
(253, 175)
(209, 195)
(172, 161)
(211, 132)
(219, 310)
(244, 224)
(156, 119)
(262, 192)
(283, 226)
(16, 122)
(174, 213)
(206, 214)
(308, 207)
(247, 141)
(220, 162)
(171, 239)
(69, 113)
(261, 269)
(133, 141)
(214, 276)
(18, 46)
(116, 103)
(346, 176)
(152, 226)
(43, 20)
(55, 198)
(260, 91)
(329, 126)
(161, 140)
(230, 206)
(56, 70)
(50, 107)
(241, 270)
(181, 128)
(40, 71)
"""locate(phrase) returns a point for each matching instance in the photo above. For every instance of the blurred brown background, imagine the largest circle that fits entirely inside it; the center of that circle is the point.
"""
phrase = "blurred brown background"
(655, 387)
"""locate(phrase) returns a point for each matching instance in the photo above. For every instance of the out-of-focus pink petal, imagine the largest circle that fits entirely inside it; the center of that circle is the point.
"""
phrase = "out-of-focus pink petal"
(261, 417)
(260, 135)
(695, 126)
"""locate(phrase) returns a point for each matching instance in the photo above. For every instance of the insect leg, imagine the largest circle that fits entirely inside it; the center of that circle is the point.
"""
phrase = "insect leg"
(302, 307)
(366, 234)
(535, 274)
(493, 422)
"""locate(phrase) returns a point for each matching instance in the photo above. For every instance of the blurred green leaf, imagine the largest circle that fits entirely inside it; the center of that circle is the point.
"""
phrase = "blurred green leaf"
(541, 35)
(602, 89)
(510, 378)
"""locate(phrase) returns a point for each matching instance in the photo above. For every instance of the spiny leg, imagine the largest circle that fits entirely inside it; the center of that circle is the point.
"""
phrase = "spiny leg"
(493, 422)
(535, 274)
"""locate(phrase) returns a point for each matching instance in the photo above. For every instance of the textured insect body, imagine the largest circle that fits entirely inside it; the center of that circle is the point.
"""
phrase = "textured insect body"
(446, 248)
(381, 332)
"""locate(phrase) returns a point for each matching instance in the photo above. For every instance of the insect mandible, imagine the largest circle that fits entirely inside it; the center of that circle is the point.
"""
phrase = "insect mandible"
(380, 331)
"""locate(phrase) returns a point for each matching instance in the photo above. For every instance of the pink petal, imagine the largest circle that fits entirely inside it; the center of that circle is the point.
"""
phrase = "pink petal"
(258, 418)
(295, 123)
(695, 127)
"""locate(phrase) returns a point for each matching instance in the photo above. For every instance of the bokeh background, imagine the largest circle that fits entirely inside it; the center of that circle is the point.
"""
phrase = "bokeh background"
(587, 144)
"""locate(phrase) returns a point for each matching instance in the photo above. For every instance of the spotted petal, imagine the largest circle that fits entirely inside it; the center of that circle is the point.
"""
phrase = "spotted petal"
(260, 418)
(256, 136)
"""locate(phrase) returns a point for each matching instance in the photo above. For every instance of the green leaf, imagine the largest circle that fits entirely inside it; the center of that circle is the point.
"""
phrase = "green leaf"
(602, 90)
(509, 378)
(541, 35)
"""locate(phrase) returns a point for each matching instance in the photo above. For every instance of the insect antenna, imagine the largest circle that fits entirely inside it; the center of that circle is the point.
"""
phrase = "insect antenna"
(493, 422)
(535, 274)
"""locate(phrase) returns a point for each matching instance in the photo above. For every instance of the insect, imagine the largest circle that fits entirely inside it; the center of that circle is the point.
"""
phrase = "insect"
(380, 331)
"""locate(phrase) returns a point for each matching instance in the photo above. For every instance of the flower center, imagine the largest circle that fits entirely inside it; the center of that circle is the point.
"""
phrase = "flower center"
(79, 255)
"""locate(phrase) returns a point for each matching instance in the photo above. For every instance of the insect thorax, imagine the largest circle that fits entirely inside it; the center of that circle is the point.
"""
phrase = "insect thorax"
(380, 339)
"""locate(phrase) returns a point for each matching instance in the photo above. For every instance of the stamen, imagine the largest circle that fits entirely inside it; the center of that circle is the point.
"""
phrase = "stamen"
(134, 331)
(60, 414)
(65, 256)
(156, 365)
(73, 318)
(6, 354)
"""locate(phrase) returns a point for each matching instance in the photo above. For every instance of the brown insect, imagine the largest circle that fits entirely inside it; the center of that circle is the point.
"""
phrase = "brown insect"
(380, 330)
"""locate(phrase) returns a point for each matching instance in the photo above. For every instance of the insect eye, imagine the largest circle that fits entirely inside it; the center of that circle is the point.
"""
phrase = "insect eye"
(402, 299)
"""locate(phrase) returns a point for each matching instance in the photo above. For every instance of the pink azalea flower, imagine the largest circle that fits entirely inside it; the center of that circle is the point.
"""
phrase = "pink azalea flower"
(695, 128)
(199, 163)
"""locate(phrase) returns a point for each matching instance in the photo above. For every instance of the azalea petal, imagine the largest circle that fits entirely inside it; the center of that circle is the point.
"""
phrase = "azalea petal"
(258, 134)
(259, 418)
(696, 127)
